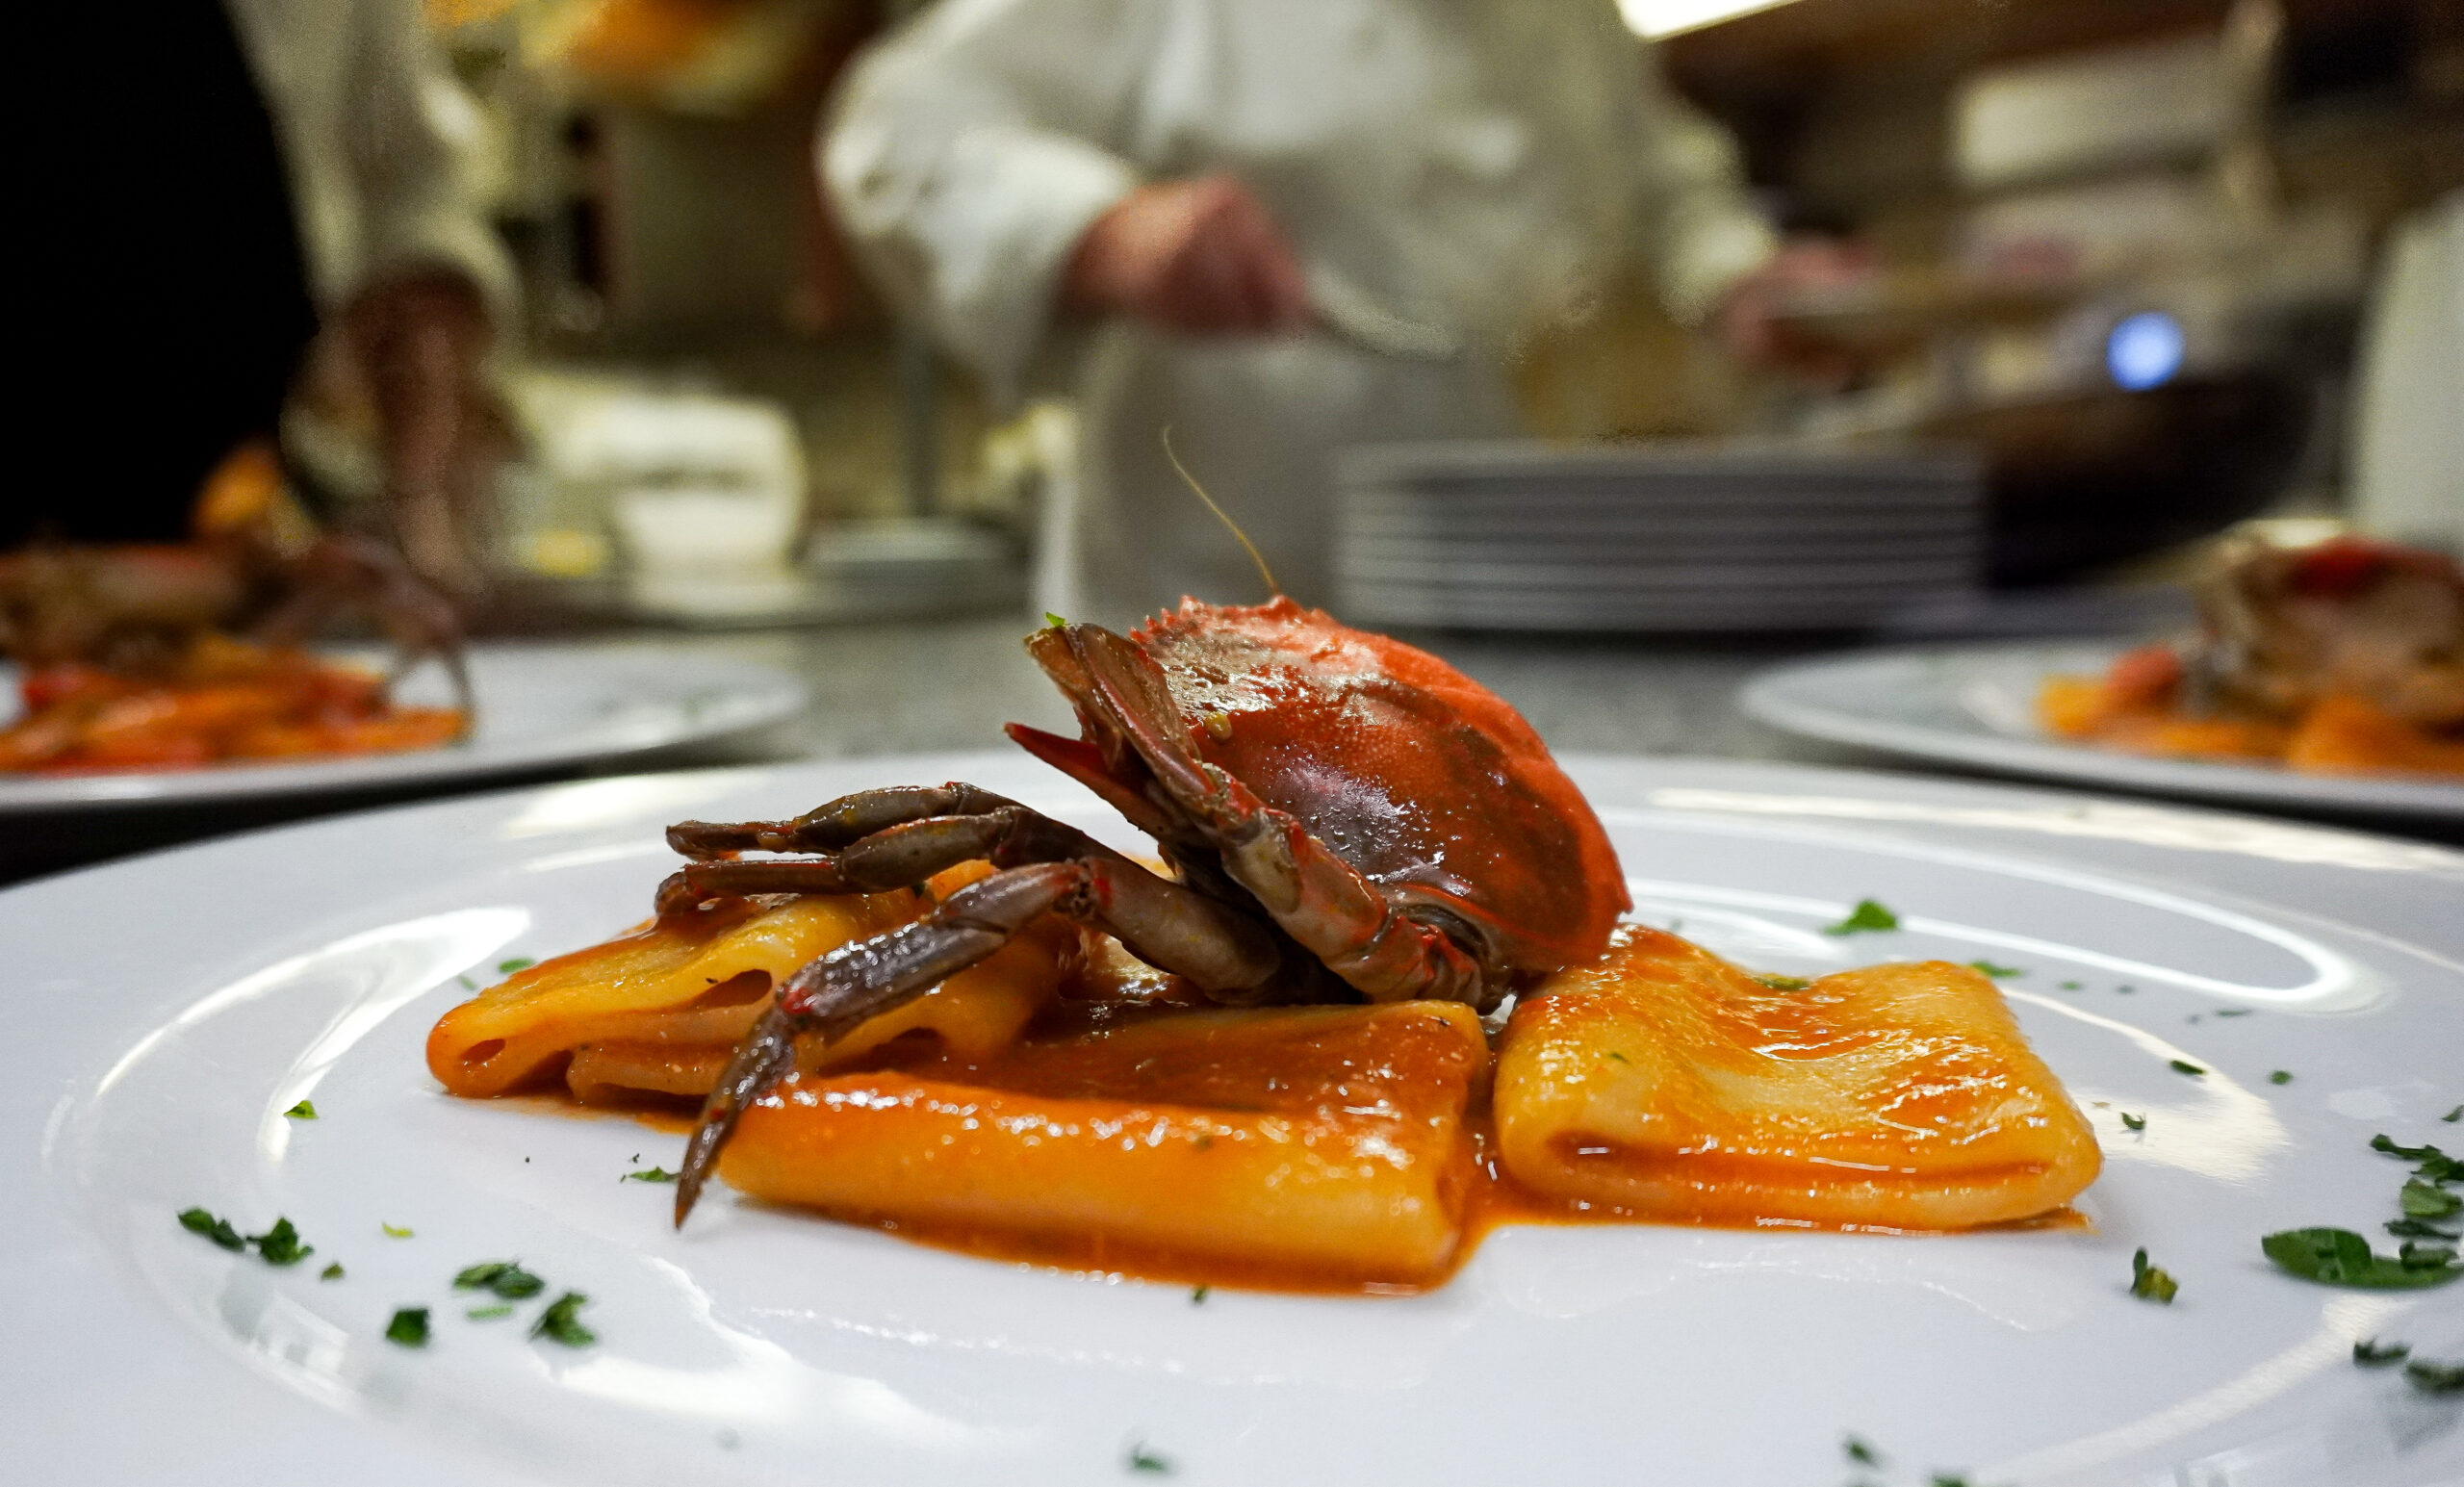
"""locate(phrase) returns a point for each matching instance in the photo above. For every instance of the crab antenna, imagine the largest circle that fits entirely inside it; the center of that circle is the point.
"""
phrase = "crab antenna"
(1273, 589)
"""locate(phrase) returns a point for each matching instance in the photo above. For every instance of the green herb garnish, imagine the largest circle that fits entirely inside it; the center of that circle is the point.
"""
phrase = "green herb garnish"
(409, 1327)
(1141, 1459)
(1868, 917)
(1996, 972)
(2149, 1283)
(1784, 983)
(662, 1174)
(520, 962)
(1055, 620)
(489, 1313)
(2282, 1076)
(1198, 1298)
(2071, 986)
(468, 985)
(2134, 1122)
(333, 1271)
(2436, 1164)
(2232, 1011)
(2453, 1116)
(280, 1244)
(561, 1321)
(2370, 1355)
(305, 1110)
(392, 1233)
(2425, 1257)
(2340, 1257)
(2424, 1200)
(2185, 1067)
(502, 1277)
(197, 1220)
(1859, 1453)
(2414, 1228)
(2435, 1377)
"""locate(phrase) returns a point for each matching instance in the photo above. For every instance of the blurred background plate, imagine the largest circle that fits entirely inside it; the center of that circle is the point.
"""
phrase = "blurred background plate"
(1975, 706)
(540, 706)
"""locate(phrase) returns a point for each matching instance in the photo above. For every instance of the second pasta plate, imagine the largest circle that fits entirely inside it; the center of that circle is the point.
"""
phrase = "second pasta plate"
(173, 1013)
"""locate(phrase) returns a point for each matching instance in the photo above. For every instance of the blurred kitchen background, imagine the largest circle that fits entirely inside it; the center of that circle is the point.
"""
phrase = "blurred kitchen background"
(2127, 255)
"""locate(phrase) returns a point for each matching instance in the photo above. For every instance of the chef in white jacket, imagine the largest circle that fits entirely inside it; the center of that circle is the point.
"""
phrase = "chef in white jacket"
(1284, 225)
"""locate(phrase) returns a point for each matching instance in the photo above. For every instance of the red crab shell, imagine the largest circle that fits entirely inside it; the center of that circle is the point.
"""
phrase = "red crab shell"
(1423, 778)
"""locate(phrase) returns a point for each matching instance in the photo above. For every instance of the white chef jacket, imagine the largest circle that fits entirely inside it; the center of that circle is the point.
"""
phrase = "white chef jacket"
(379, 139)
(1472, 165)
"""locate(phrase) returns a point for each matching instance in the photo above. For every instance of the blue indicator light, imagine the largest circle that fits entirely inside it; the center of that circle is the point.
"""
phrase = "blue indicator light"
(2144, 350)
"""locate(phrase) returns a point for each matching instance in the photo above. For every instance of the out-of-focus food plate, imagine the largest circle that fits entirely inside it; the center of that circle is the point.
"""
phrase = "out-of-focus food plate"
(1975, 704)
(540, 706)
(167, 1012)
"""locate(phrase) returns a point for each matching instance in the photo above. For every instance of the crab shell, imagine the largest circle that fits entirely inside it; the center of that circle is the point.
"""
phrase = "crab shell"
(1425, 781)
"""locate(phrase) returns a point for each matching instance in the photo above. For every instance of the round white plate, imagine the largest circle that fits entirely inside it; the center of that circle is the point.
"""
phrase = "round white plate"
(540, 706)
(167, 1011)
(1975, 704)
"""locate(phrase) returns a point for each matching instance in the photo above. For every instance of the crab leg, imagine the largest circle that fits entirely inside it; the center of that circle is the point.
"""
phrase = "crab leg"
(1161, 922)
(1317, 897)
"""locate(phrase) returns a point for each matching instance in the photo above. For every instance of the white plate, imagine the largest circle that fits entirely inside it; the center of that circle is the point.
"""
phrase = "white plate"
(539, 706)
(1975, 704)
(164, 1011)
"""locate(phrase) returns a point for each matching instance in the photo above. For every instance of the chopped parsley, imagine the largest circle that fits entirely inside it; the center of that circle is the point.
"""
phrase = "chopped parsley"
(1141, 1459)
(489, 1313)
(561, 1321)
(409, 1327)
(2436, 1164)
(392, 1233)
(520, 962)
(2282, 1076)
(1198, 1298)
(2185, 1067)
(2453, 1116)
(468, 985)
(1996, 972)
(2134, 1122)
(2414, 1228)
(662, 1174)
(2072, 986)
(1868, 917)
(2149, 1283)
(2125, 988)
(1784, 983)
(333, 1271)
(197, 1220)
(2425, 1257)
(280, 1244)
(305, 1110)
(1859, 1453)
(2371, 1355)
(505, 1279)
(2425, 1201)
(1055, 620)
(1947, 1480)
(2435, 1377)
(2340, 1257)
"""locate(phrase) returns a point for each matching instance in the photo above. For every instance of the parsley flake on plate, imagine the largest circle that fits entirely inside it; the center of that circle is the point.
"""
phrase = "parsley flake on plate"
(1141, 1459)
(1054, 621)
(2370, 1354)
(2435, 1377)
(1996, 972)
(2135, 1123)
(197, 1220)
(489, 1313)
(280, 1244)
(2340, 1257)
(2282, 1076)
(2149, 1283)
(2436, 1164)
(1198, 1298)
(561, 1321)
(506, 1278)
(2426, 1201)
(409, 1327)
(649, 1174)
(1868, 917)
(2185, 1067)
(392, 1233)
(1783, 983)
(1858, 1452)
(2453, 1116)
(305, 1110)
(2071, 986)
(333, 1271)
(520, 962)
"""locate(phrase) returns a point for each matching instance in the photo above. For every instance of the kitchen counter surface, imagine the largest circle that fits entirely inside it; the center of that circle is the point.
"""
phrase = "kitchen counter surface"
(931, 685)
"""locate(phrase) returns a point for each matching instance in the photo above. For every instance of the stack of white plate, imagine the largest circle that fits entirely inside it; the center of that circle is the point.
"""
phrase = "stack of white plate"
(1678, 537)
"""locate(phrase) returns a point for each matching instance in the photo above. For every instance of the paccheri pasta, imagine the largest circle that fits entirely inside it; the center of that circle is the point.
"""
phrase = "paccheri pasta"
(1059, 1101)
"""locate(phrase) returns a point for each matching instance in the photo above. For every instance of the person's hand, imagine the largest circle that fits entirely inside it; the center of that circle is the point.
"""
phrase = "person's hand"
(1201, 256)
(1748, 322)
(418, 340)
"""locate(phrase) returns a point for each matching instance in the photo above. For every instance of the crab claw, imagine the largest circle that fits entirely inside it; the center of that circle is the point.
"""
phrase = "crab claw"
(764, 1059)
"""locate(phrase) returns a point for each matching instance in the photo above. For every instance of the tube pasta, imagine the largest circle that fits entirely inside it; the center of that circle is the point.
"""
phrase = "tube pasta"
(657, 1012)
(1330, 1140)
(1668, 1083)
